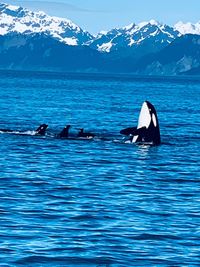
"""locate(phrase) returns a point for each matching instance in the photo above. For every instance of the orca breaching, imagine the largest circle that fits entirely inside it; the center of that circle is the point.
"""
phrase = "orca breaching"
(147, 131)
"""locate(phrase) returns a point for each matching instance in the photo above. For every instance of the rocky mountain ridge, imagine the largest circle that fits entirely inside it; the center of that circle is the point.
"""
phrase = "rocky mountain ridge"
(35, 41)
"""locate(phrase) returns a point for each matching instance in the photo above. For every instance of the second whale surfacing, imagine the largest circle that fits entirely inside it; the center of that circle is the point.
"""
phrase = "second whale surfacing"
(65, 132)
(41, 130)
(86, 135)
(147, 130)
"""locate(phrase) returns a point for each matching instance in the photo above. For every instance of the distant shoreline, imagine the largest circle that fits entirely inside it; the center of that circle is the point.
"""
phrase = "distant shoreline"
(99, 75)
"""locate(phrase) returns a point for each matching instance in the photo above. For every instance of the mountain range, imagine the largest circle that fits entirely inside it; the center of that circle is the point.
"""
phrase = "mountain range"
(35, 41)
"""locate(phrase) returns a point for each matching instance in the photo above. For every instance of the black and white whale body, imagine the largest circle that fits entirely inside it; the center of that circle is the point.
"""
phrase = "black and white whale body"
(147, 131)
(41, 130)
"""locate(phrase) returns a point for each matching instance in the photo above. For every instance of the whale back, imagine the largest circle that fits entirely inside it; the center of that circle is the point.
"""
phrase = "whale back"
(41, 129)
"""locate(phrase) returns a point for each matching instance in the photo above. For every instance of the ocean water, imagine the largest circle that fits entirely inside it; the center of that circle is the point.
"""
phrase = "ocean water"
(98, 202)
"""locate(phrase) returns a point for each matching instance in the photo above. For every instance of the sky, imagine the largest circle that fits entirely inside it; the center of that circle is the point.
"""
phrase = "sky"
(97, 15)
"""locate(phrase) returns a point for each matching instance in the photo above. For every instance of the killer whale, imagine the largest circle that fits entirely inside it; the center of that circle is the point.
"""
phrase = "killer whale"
(147, 130)
(41, 130)
(65, 132)
(82, 134)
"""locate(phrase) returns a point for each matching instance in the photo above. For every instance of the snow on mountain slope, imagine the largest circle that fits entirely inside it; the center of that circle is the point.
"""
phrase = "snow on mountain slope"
(150, 35)
(21, 20)
(134, 35)
(185, 28)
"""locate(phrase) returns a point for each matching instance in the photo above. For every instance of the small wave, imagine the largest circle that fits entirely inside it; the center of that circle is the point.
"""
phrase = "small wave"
(27, 133)
(5, 131)
(68, 261)
(155, 237)
(18, 132)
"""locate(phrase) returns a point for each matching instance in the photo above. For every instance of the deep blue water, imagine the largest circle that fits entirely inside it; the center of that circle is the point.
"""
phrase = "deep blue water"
(98, 202)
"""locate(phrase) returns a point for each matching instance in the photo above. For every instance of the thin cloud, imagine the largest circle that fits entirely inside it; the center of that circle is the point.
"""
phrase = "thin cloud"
(53, 6)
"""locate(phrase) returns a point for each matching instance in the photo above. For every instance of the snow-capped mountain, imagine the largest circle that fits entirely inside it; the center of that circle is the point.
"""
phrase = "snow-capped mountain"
(186, 28)
(134, 35)
(41, 52)
(36, 41)
(21, 20)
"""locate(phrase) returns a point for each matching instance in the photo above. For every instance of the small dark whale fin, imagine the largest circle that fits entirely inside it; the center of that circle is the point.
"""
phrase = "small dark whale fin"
(80, 133)
(65, 132)
(41, 130)
(85, 135)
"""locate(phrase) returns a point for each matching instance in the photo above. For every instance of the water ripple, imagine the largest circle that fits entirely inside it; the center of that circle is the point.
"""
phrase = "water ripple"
(98, 202)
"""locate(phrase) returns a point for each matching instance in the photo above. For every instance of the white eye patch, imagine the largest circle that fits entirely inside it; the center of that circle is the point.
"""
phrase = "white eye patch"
(154, 120)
